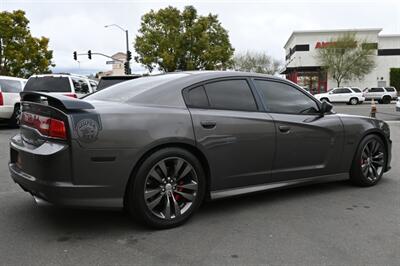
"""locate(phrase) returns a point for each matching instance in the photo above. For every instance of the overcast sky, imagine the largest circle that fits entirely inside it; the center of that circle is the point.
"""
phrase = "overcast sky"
(253, 25)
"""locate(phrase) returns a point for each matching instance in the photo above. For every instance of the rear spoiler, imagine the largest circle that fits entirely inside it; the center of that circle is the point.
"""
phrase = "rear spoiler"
(60, 101)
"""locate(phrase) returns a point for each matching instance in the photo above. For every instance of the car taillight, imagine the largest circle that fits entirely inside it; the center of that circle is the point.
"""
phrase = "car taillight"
(47, 126)
(1, 98)
(73, 95)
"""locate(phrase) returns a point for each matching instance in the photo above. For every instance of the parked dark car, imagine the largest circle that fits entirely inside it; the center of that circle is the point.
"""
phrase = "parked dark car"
(160, 145)
(108, 81)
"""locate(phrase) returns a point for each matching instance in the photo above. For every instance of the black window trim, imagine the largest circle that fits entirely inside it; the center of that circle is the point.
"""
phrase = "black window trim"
(295, 86)
(257, 100)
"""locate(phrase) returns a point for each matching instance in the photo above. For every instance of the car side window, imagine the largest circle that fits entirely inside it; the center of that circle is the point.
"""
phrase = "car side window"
(93, 85)
(196, 97)
(283, 98)
(376, 90)
(346, 91)
(231, 95)
(390, 89)
(80, 86)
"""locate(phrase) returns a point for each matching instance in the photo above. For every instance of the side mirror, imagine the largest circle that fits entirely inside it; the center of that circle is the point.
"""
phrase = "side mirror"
(326, 107)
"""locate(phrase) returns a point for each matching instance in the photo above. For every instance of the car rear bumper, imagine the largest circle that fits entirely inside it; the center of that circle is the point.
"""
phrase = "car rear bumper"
(6, 111)
(63, 194)
(46, 173)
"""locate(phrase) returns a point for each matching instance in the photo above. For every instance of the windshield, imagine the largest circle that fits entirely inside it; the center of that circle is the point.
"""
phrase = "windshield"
(124, 91)
(48, 84)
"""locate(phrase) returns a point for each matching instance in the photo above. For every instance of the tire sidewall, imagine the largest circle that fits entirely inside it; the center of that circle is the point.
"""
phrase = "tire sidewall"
(355, 101)
(136, 203)
(356, 174)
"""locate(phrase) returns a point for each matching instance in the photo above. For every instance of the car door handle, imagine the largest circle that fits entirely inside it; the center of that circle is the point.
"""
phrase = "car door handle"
(208, 124)
(284, 129)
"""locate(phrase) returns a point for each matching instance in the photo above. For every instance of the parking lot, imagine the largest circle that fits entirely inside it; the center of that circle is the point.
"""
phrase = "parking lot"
(332, 223)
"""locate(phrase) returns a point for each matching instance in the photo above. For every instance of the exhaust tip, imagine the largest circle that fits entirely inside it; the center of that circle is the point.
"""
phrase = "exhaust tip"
(40, 202)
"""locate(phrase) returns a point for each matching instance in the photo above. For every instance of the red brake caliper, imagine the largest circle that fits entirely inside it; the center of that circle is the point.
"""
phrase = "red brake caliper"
(176, 195)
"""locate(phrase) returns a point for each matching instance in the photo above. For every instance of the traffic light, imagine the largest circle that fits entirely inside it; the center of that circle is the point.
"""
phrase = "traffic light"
(89, 54)
(75, 56)
(127, 68)
(128, 56)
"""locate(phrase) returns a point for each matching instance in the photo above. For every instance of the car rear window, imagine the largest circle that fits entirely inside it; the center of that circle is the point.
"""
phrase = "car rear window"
(390, 89)
(7, 85)
(356, 89)
(48, 84)
(125, 91)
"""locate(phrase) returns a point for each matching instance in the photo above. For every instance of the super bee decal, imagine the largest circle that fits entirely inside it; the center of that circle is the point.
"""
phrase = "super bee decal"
(87, 126)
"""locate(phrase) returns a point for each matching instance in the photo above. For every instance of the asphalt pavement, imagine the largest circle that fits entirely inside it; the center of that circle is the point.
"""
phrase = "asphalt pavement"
(332, 224)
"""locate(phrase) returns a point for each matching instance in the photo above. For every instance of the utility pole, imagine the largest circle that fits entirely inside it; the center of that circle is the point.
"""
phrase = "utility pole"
(128, 52)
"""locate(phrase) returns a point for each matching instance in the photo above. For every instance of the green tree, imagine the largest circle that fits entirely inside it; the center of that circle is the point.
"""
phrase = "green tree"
(21, 54)
(172, 40)
(258, 62)
(345, 58)
(395, 78)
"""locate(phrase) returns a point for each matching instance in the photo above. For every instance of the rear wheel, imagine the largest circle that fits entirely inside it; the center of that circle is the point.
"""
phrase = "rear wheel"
(353, 101)
(167, 189)
(386, 99)
(369, 162)
(325, 99)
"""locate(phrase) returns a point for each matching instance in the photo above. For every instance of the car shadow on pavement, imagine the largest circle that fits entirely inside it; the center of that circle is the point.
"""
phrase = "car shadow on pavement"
(83, 223)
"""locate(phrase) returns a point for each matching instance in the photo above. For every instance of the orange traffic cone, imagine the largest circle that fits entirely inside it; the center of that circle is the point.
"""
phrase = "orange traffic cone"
(373, 108)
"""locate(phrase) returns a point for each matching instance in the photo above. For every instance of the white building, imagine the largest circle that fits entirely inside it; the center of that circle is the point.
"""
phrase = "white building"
(117, 67)
(302, 66)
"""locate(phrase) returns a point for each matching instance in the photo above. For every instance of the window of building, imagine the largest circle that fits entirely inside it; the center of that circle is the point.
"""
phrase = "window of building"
(283, 98)
(231, 95)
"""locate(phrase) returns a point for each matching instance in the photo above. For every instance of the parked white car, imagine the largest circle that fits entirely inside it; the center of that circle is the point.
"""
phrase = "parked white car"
(381, 94)
(350, 95)
(10, 88)
(67, 84)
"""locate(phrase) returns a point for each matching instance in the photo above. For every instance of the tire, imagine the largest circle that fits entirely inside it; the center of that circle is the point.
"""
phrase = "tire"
(325, 99)
(157, 202)
(386, 99)
(14, 120)
(369, 162)
(353, 101)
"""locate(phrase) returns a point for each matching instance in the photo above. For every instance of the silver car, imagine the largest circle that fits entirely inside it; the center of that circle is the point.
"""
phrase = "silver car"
(160, 145)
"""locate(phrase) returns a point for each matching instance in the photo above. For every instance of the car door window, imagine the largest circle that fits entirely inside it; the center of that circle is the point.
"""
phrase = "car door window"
(10, 85)
(346, 91)
(196, 97)
(283, 98)
(356, 90)
(93, 85)
(230, 95)
(80, 86)
(376, 90)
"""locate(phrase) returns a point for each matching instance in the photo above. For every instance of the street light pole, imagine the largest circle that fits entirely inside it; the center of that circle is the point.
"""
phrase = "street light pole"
(128, 59)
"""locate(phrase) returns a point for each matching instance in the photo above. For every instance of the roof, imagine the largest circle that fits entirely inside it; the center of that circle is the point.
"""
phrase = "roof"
(377, 30)
(11, 78)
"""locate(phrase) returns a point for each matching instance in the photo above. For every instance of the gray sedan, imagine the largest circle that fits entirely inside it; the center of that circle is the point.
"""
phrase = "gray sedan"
(160, 145)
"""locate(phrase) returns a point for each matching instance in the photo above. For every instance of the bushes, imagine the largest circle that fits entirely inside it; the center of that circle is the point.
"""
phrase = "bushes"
(395, 78)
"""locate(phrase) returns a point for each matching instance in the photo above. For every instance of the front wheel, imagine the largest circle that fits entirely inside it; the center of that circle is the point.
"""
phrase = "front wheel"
(167, 189)
(369, 162)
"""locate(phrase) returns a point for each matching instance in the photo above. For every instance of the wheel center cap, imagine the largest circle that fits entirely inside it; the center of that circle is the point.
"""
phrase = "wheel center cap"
(168, 187)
